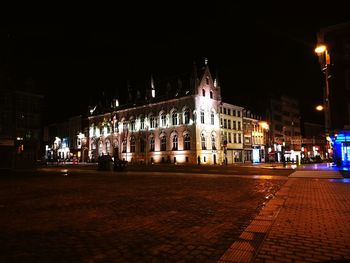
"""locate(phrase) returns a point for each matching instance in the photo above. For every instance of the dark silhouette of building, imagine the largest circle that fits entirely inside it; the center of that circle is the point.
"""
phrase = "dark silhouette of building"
(20, 123)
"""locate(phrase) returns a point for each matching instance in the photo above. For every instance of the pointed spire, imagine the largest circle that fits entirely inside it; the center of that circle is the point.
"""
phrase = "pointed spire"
(217, 81)
(153, 90)
(152, 82)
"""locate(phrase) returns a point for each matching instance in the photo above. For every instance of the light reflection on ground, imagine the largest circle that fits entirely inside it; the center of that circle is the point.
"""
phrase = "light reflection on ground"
(345, 180)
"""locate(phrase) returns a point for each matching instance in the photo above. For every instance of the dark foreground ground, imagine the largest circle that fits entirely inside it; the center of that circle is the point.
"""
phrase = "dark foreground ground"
(126, 217)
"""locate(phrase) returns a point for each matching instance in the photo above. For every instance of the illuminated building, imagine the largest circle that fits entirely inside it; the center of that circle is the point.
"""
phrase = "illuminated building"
(180, 126)
(67, 140)
(231, 123)
(341, 148)
(255, 134)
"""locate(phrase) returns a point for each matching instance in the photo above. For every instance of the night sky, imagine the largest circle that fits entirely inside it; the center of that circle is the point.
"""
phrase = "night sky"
(256, 50)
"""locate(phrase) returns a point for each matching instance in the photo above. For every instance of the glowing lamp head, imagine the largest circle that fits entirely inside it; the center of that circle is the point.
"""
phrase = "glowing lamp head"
(319, 108)
(320, 49)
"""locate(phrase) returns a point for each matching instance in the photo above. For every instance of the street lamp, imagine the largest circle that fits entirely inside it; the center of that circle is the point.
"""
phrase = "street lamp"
(324, 60)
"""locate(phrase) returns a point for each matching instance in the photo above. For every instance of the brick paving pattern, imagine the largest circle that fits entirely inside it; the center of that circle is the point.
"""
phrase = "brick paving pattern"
(307, 221)
(109, 217)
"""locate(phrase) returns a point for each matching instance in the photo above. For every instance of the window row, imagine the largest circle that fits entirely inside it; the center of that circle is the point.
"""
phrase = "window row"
(230, 112)
(153, 122)
(226, 124)
(141, 143)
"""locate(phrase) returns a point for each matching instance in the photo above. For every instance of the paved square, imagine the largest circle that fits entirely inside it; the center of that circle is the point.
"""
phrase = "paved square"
(110, 217)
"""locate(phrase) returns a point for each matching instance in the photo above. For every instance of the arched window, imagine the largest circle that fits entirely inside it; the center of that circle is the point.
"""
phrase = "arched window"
(204, 146)
(142, 123)
(97, 132)
(93, 146)
(132, 144)
(202, 117)
(163, 119)
(163, 143)
(108, 147)
(132, 125)
(142, 145)
(124, 145)
(151, 148)
(187, 116)
(203, 92)
(212, 118)
(213, 142)
(153, 122)
(100, 148)
(174, 117)
(187, 142)
(211, 94)
(175, 142)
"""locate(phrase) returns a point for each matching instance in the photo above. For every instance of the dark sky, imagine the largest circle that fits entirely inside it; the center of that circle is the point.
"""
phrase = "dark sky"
(256, 49)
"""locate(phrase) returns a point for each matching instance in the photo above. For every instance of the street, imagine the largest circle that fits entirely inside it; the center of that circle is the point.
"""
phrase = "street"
(81, 215)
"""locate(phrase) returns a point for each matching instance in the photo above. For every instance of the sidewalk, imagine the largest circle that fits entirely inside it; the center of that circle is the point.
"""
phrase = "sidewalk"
(307, 221)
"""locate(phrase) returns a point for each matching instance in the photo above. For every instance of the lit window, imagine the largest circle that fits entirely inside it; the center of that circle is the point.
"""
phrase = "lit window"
(163, 143)
(213, 143)
(142, 123)
(175, 143)
(124, 146)
(204, 146)
(187, 141)
(187, 116)
(174, 118)
(212, 118)
(152, 144)
(152, 122)
(132, 125)
(163, 119)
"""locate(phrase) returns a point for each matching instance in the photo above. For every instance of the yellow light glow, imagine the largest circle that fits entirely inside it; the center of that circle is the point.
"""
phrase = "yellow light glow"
(319, 108)
(320, 49)
(264, 125)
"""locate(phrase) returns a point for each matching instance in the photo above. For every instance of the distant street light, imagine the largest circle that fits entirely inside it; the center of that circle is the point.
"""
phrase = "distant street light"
(319, 108)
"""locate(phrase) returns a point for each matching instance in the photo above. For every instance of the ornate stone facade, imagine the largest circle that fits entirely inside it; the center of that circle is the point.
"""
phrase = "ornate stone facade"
(184, 128)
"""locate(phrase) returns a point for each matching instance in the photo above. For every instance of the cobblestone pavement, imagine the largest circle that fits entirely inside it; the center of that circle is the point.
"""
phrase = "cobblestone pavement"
(109, 217)
(308, 221)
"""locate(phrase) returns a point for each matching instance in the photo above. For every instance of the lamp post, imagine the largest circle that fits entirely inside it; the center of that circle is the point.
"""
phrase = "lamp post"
(266, 135)
(324, 60)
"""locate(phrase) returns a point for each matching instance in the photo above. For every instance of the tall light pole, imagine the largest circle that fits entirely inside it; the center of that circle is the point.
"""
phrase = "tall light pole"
(324, 60)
